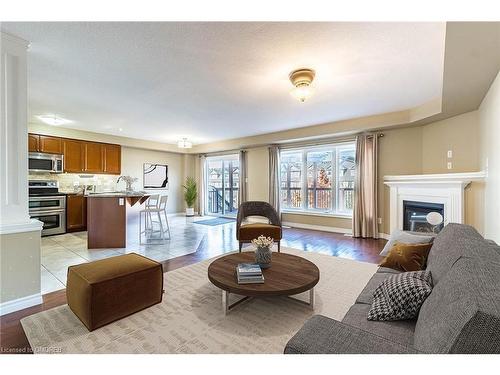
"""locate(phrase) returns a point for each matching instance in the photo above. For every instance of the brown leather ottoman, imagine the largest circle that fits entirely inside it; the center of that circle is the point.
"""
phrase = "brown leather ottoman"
(106, 290)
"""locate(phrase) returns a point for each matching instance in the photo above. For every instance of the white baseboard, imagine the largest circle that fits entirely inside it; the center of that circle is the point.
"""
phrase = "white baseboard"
(20, 303)
(317, 227)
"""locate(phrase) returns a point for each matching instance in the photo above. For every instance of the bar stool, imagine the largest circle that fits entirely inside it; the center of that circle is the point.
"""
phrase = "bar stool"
(155, 207)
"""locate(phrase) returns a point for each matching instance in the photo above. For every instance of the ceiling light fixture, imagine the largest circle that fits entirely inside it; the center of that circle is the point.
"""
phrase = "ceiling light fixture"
(184, 143)
(302, 79)
(53, 120)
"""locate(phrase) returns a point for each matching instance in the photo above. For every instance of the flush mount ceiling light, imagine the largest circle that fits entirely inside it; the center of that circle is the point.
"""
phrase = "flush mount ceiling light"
(302, 79)
(184, 143)
(53, 120)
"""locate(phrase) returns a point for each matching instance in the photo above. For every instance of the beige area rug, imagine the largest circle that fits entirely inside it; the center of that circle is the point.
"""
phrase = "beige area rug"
(190, 319)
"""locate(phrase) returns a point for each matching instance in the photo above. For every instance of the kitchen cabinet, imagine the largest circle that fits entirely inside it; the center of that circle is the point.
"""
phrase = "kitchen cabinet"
(112, 159)
(33, 140)
(94, 157)
(73, 152)
(79, 156)
(76, 213)
(50, 145)
(44, 143)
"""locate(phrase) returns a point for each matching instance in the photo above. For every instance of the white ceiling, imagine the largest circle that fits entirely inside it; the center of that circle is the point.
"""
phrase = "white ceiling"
(215, 81)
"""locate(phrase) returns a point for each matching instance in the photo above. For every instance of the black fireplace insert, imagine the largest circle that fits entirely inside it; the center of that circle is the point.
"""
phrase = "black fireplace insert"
(415, 216)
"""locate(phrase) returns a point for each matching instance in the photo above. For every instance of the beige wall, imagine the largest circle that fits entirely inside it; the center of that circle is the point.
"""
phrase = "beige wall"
(132, 165)
(489, 121)
(258, 174)
(400, 152)
(19, 265)
(460, 135)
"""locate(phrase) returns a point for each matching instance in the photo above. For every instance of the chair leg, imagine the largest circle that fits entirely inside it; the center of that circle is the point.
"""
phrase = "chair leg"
(162, 233)
(168, 226)
(241, 245)
(279, 246)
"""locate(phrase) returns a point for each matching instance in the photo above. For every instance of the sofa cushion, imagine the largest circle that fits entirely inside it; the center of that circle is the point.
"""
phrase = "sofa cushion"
(366, 295)
(453, 242)
(400, 296)
(322, 335)
(398, 331)
(407, 257)
(406, 237)
(462, 314)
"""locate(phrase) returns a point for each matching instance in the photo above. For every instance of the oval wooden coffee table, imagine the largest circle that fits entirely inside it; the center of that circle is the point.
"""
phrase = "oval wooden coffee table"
(288, 275)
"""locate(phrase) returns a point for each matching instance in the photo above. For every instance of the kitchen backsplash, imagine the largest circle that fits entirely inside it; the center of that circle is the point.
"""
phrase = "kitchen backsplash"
(72, 182)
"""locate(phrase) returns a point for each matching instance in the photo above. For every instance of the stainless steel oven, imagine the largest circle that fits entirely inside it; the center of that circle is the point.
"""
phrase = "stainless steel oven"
(48, 205)
(48, 163)
(54, 222)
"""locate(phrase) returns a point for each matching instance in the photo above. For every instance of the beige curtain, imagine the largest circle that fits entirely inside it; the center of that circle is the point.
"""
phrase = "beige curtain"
(243, 177)
(201, 189)
(274, 177)
(364, 218)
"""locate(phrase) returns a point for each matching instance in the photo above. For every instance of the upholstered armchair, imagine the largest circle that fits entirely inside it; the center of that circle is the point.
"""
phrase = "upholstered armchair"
(247, 232)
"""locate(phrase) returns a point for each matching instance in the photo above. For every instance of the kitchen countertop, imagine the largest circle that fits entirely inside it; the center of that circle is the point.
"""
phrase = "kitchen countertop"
(120, 194)
(107, 194)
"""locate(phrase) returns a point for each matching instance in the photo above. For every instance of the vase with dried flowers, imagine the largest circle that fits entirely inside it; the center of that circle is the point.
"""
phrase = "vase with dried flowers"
(263, 253)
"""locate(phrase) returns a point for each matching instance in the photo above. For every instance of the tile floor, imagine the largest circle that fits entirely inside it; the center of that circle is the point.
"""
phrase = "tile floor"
(61, 251)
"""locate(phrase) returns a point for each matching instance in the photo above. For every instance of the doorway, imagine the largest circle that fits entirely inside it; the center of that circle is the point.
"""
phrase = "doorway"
(222, 185)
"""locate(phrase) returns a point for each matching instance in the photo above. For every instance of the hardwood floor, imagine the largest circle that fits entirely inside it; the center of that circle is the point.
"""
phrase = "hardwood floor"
(12, 337)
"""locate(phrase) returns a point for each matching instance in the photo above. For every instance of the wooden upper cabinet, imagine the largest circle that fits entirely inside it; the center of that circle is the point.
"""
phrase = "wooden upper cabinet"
(33, 141)
(51, 145)
(73, 152)
(112, 159)
(94, 157)
(79, 156)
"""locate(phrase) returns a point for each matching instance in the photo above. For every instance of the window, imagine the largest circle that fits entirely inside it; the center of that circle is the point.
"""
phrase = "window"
(319, 179)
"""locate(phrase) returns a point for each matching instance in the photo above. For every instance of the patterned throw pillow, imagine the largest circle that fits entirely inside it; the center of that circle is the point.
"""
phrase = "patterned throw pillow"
(400, 296)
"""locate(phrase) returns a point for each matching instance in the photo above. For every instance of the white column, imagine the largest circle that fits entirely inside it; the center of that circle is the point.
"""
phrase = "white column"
(13, 135)
(19, 236)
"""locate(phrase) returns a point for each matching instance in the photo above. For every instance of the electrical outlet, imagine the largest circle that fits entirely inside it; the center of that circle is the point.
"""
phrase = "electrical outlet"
(450, 154)
(449, 166)
(379, 220)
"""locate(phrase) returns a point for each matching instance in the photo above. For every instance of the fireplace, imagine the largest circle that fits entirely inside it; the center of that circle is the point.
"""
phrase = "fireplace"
(444, 190)
(415, 216)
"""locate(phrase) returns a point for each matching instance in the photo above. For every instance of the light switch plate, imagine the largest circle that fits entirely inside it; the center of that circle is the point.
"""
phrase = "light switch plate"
(450, 154)
(121, 201)
(449, 166)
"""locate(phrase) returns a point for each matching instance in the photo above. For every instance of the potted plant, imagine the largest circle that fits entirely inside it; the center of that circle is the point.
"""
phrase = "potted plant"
(190, 195)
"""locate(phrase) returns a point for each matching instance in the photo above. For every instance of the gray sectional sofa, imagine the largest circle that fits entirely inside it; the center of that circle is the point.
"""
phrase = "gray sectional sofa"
(461, 315)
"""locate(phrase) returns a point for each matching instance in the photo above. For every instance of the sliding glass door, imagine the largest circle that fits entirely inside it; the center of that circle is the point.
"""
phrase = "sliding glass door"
(222, 185)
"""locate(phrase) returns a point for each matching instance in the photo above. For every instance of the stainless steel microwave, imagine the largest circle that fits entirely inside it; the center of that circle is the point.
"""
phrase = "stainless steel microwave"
(48, 163)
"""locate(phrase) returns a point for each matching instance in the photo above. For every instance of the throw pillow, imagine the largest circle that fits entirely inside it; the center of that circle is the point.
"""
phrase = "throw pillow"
(406, 258)
(400, 296)
(405, 237)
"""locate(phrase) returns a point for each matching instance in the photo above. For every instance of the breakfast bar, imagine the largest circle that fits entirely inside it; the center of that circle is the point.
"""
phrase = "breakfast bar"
(107, 218)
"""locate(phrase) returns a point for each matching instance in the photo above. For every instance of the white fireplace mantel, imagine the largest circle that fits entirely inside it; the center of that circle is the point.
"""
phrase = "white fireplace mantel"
(446, 189)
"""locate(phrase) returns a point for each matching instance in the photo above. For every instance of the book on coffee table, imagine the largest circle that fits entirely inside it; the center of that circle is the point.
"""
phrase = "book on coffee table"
(257, 279)
(249, 273)
(249, 269)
